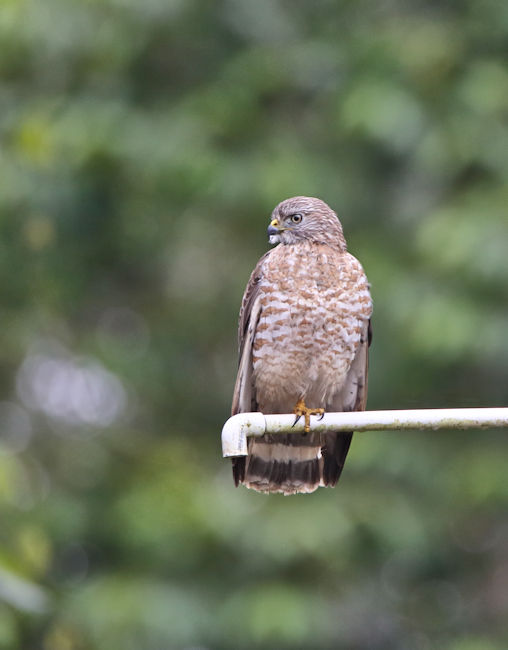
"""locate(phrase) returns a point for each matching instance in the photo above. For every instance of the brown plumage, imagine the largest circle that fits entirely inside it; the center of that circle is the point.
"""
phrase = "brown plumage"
(304, 332)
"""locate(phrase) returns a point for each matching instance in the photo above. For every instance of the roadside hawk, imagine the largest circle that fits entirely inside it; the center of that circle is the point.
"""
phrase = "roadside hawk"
(304, 333)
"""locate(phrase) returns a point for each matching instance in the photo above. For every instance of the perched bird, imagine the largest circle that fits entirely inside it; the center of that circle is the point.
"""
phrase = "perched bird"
(304, 332)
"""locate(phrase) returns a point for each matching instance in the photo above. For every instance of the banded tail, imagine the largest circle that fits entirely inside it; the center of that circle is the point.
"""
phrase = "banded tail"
(292, 463)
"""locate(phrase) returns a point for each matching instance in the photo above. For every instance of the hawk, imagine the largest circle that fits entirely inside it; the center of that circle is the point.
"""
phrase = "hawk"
(304, 332)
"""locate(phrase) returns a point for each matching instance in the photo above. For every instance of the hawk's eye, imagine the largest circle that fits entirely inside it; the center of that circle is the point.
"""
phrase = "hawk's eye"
(296, 218)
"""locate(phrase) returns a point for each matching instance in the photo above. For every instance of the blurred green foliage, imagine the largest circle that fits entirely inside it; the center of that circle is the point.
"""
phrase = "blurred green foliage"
(143, 146)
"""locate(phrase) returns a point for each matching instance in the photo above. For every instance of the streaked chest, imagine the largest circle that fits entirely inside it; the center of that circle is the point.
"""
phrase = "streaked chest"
(309, 293)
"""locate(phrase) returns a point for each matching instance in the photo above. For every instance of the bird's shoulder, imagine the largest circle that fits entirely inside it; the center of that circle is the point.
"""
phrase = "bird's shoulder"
(250, 294)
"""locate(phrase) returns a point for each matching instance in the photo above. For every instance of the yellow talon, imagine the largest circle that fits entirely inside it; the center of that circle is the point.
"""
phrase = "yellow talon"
(300, 409)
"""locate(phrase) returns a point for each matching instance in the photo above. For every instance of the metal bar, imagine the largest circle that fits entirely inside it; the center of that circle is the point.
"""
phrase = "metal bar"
(239, 427)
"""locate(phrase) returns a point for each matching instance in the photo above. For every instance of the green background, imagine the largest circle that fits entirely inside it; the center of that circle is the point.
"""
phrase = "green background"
(143, 147)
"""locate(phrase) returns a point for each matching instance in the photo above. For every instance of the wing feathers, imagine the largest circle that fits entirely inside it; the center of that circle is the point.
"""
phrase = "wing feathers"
(353, 397)
(243, 393)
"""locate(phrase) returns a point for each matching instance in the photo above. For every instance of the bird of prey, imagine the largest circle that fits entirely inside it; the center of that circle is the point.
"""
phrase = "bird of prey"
(304, 332)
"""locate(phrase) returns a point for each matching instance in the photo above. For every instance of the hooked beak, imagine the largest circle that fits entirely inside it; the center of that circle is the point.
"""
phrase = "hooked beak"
(274, 228)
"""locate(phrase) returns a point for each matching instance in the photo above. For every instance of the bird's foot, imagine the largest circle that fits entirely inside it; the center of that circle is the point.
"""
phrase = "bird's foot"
(300, 409)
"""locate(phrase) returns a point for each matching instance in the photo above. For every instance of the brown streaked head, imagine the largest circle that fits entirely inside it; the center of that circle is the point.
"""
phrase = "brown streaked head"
(305, 218)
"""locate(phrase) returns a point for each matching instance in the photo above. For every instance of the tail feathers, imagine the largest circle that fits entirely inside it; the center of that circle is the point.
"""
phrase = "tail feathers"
(292, 464)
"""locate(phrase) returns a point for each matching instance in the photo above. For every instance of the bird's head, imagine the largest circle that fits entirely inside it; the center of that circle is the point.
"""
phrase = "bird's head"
(305, 218)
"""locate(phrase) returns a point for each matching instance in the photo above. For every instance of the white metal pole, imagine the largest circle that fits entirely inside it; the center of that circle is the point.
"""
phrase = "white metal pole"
(239, 427)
